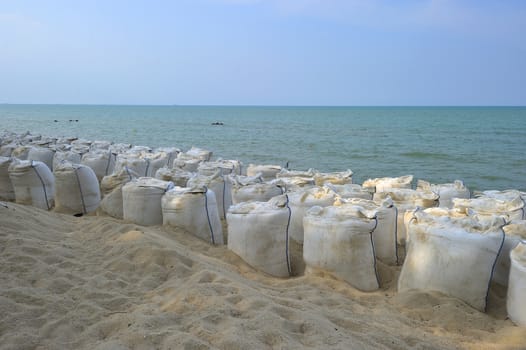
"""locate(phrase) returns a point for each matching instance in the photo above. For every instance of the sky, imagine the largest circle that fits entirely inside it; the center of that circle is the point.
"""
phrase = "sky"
(264, 52)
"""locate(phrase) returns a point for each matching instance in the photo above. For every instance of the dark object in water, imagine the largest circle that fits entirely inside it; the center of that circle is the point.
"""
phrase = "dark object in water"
(218, 123)
(56, 121)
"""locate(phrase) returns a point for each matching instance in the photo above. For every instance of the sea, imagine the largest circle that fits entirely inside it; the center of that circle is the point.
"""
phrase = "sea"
(483, 146)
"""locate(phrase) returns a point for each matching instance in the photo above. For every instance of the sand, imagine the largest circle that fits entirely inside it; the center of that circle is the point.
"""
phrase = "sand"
(94, 282)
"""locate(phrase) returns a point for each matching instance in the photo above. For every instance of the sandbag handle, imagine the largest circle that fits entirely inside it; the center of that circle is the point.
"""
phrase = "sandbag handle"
(374, 252)
(84, 211)
(289, 269)
(494, 264)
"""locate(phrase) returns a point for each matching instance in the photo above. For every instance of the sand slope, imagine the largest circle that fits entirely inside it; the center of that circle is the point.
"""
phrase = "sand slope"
(99, 283)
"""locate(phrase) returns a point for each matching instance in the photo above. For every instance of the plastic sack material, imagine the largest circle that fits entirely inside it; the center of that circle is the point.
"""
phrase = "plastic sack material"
(385, 234)
(199, 153)
(339, 240)
(257, 232)
(350, 191)
(388, 183)
(515, 232)
(195, 211)
(33, 183)
(266, 172)
(510, 205)
(141, 200)
(76, 189)
(101, 162)
(336, 178)
(111, 188)
(178, 176)
(446, 192)
(69, 156)
(517, 285)
(7, 192)
(225, 167)
(220, 185)
(302, 201)
(406, 200)
(41, 154)
(452, 255)
(186, 163)
(21, 152)
(257, 192)
(134, 162)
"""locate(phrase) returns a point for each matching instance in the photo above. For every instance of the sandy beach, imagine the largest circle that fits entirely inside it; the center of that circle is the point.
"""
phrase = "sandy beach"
(95, 282)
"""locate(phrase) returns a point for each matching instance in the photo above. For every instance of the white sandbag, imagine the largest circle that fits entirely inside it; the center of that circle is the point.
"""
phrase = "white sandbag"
(221, 187)
(515, 303)
(76, 189)
(186, 163)
(141, 200)
(385, 234)
(336, 178)
(300, 202)
(199, 153)
(33, 182)
(515, 232)
(258, 192)
(350, 190)
(257, 232)
(338, 239)
(511, 205)
(138, 149)
(267, 172)
(226, 167)
(100, 146)
(178, 176)
(111, 188)
(41, 154)
(101, 162)
(171, 152)
(155, 161)
(7, 149)
(446, 192)
(21, 152)
(7, 192)
(308, 175)
(455, 256)
(119, 148)
(195, 211)
(407, 200)
(66, 156)
(132, 161)
(388, 183)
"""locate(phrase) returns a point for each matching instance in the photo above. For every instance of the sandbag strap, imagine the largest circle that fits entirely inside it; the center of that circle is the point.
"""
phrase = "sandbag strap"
(84, 211)
(147, 166)
(396, 234)
(128, 172)
(208, 217)
(109, 162)
(289, 269)
(494, 264)
(374, 252)
(224, 195)
(43, 184)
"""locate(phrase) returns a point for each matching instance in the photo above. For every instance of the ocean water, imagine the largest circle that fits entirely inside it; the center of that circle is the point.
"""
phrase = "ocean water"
(483, 146)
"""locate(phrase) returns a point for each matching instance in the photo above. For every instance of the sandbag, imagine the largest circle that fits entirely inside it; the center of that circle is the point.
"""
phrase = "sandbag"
(178, 176)
(220, 185)
(452, 255)
(76, 189)
(267, 172)
(336, 178)
(446, 192)
(141, 200)
(258, 192)
(100, 146)
(199, 153)
(134, 162)
(300, 202)
(66, 156)
(101, 162)
(407, 200)
(510, 205)
(350, 190)
(33, 183)
(194, 210)
(7, 149)
(257, 232)
(7, 192)
(226, 167)
(385, 234)
(111, 188)
(515, 232)
(388, 183)
(186, 163)
(21, 152)
(338, 239)
(171, 152)
(307, 176)
(517, 285)
(44, 155)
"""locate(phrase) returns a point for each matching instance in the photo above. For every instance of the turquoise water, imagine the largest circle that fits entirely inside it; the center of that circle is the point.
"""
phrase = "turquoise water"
(484, 146)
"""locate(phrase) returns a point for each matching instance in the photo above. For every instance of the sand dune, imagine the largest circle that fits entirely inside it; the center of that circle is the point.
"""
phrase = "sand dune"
(98, 283)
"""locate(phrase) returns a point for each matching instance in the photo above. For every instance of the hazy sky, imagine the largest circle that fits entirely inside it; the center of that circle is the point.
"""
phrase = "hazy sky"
(264, 52)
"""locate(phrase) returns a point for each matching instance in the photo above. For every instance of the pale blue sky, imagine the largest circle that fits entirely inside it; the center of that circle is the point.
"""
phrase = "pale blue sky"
(264, 52)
